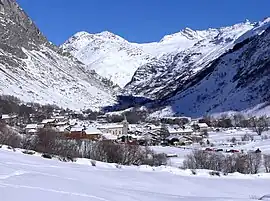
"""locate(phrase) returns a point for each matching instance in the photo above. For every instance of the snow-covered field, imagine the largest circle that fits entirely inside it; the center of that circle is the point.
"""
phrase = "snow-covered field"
(221, 140)
(27, 178)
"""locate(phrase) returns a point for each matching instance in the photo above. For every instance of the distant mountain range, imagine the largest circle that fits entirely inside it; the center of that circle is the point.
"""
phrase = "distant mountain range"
(187, 73)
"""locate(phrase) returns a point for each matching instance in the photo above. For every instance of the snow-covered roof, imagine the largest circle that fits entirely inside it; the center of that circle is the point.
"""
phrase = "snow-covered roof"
(110, 126)
(59, 117)
(40, 126)
(62, 123)
(72, 121)
(46, 121)
(76, 128)
(175, 131)
(202, 125)
(7, 116)
(181, 138)
(62, 128)
(109, 136)
(32, 131)
(92, 131)
(31, 126)
(153, 127)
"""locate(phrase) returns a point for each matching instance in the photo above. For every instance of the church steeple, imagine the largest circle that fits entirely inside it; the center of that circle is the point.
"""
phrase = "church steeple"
(125, 125)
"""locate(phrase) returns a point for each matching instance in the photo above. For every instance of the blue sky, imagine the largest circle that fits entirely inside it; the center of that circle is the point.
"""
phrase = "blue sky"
(138, 20)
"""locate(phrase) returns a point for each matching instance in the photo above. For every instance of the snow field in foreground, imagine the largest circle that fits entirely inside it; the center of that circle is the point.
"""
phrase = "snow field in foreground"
(27, 178)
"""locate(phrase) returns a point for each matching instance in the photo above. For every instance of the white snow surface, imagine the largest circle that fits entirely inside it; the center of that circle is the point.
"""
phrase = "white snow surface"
(25, 177)
(117, 59)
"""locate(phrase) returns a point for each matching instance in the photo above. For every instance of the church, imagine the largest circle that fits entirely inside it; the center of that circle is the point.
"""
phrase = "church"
(118, 129)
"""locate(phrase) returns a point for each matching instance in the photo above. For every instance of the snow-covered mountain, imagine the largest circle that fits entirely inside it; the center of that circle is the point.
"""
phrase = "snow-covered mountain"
(108, 54)
(117, 59)
(160, 77)
(236, 81)
(35, 70)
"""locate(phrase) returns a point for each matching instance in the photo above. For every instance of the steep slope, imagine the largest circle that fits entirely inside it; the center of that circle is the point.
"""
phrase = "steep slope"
(237, 81)
(35, 70)
(162, 76)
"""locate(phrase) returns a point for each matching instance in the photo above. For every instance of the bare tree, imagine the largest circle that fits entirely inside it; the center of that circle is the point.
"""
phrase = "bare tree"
(266, 162)
(254, 162)
(247, 137)
(233, 140)
(239, 120)
(9, 136)
(259, 125)
(242, 163)
(46, 140)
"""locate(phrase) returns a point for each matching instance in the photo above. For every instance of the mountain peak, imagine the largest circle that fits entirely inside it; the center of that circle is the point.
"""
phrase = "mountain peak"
(104, 35)
(81, 34)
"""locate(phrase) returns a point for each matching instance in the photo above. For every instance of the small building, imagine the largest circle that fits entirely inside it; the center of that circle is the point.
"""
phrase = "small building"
(62, 123)
(102, 119)
(76, 132)
(179, 140)
(92, 133)
(32, 131)
(9, 119)
(48, 122)
(81, 132)
(31, 128)
(59, 118)
(181, 131)
(202, 127)
(152, 127)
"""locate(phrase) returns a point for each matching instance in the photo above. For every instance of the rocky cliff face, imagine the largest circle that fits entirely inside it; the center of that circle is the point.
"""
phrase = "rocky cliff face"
(33, 69)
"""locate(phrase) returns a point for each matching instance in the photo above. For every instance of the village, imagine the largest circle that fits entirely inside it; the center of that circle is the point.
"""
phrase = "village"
(122, 132)
(133, 137)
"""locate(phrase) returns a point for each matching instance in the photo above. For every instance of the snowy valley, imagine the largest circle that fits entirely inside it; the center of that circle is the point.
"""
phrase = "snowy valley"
(100, 118)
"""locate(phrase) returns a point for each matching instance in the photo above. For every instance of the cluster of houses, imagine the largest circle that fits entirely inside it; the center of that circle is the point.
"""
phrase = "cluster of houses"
(144, 134)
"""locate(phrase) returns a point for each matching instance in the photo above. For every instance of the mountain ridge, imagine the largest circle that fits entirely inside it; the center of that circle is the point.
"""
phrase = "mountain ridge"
(118, 59)
(35, 70)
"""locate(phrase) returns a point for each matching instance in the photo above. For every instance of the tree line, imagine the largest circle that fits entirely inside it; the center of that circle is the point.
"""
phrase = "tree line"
(257, 124)
(245, 163)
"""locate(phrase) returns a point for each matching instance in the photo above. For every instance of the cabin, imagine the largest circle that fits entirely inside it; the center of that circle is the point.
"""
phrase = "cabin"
(82, 132)
(31, 128)
(48, 122)
(9, 119)
(202, 127)
(92, 133)
(76, 132)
